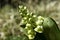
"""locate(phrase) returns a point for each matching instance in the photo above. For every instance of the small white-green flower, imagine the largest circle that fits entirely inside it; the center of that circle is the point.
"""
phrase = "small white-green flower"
(25, 18)
(21, 13)
(25, 8)
(28, 25)
(27, 28)
(30, 19)
(32, 32)
(31, 13)
(39, 22)
(29, 31)
(40, 18)
(22, 21)
(31, 36)
(34, 15)
(28, 13)
(20, 6)
(39, 29)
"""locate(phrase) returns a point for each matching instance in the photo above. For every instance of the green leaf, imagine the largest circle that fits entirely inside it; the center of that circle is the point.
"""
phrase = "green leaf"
(51, 29)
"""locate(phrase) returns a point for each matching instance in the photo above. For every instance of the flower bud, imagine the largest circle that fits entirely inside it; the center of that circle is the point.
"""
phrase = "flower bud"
(28, 25)
(30, 19)
(39, 22)
(20, 7)
(39, 29)
(27, 28)
(22, 22)
(25, 8)
(25, 18)
(40, 18)
(29, 31)
(31, 36)
(34, 15)
(32, 32)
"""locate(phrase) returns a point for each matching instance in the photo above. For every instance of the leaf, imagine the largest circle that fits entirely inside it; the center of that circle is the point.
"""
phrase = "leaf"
(51, 29)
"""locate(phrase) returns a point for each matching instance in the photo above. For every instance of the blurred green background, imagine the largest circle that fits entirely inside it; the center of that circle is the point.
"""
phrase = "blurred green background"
(9, 9)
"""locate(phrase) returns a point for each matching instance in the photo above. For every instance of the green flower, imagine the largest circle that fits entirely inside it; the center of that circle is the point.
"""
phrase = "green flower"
(31, 36)
(39, 29)
(28, 25)
(39, 22)
(40, 18)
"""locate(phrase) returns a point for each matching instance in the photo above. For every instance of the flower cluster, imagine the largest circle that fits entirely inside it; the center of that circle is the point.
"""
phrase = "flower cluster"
(32, 22)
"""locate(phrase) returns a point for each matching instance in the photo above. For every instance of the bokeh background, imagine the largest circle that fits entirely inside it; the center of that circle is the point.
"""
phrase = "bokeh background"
(9, 9)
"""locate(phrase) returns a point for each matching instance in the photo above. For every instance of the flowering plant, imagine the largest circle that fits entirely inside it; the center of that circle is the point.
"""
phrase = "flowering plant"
(33, 24)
